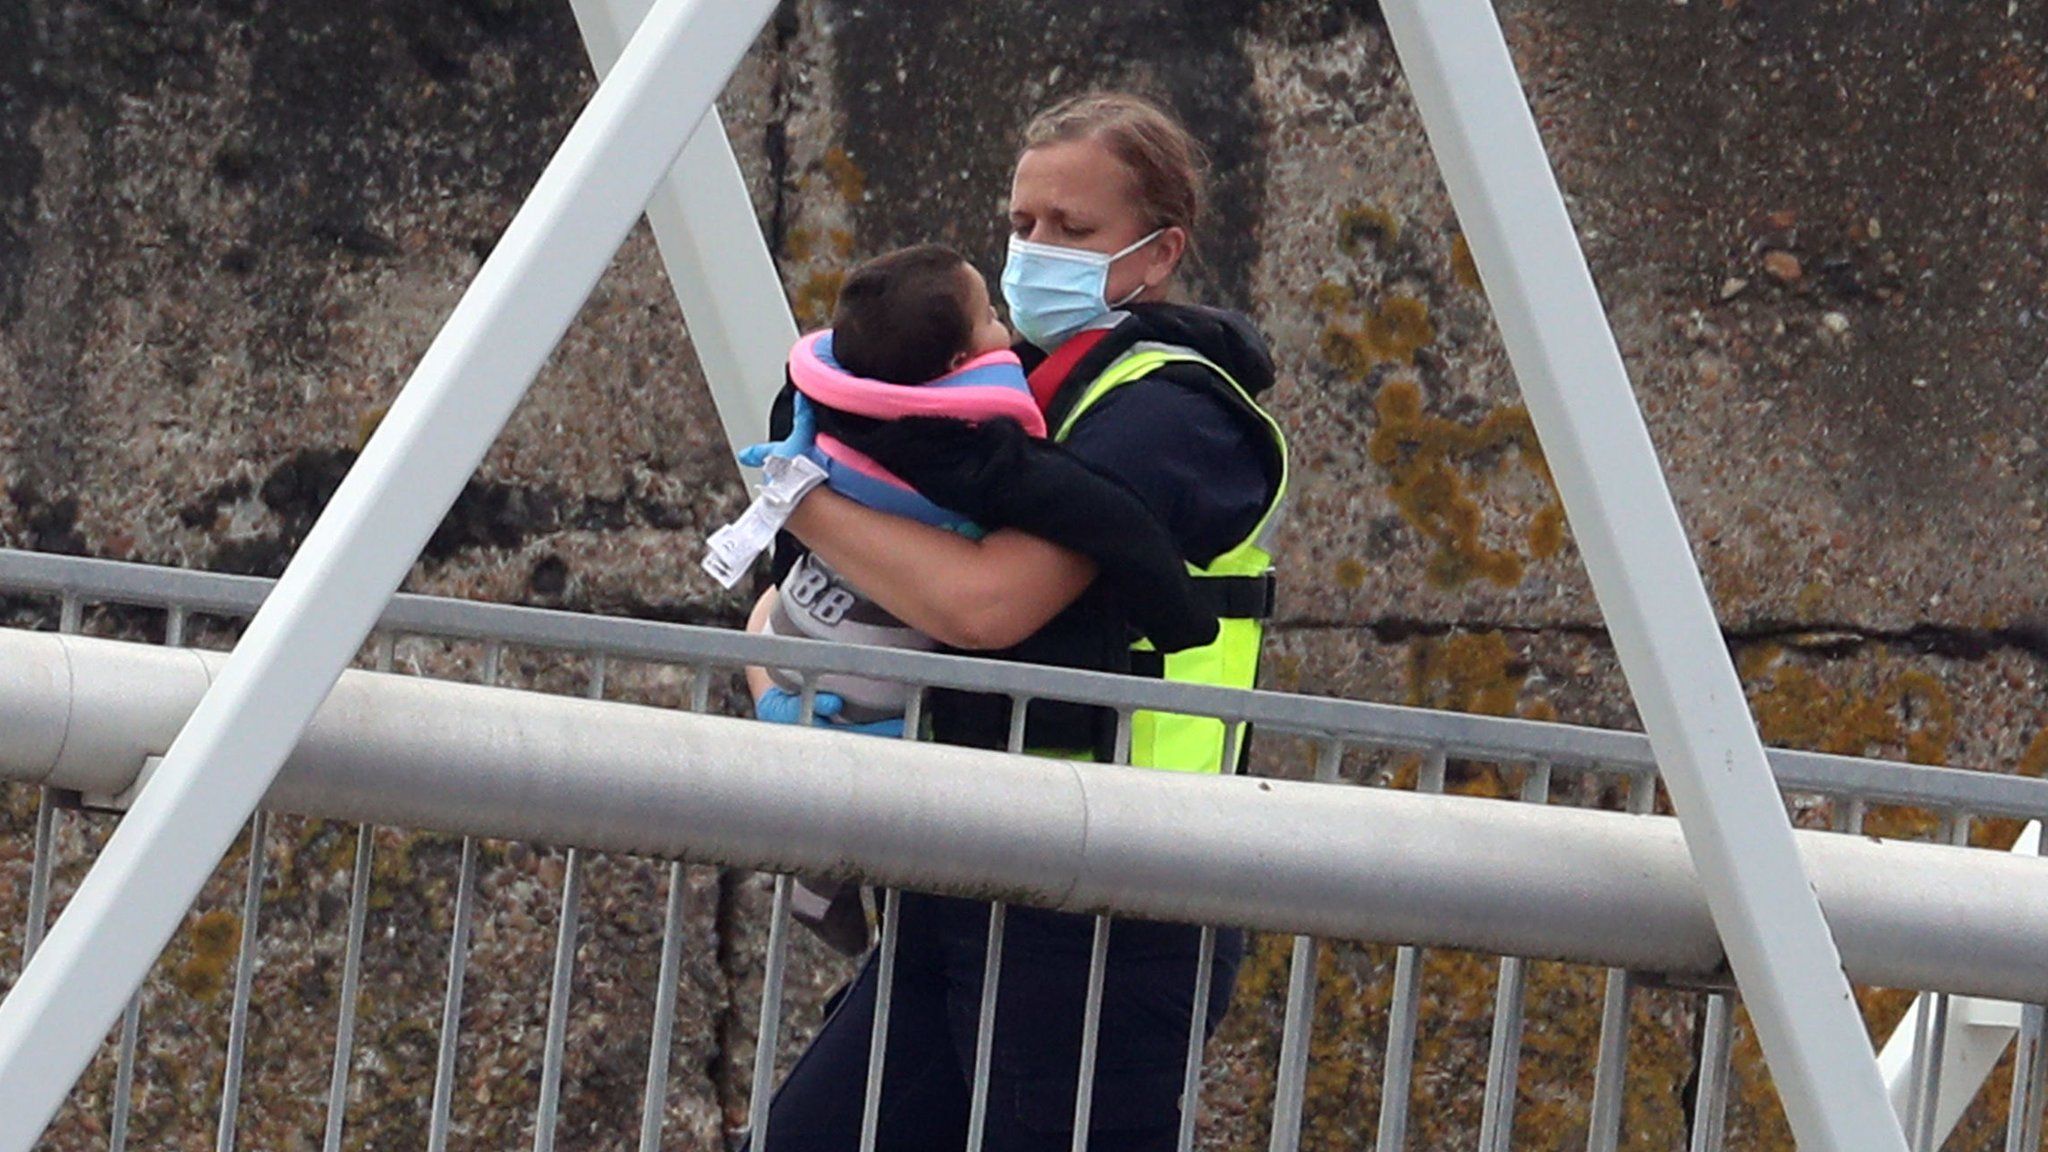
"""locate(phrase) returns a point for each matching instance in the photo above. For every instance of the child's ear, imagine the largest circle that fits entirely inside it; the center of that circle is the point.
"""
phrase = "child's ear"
(958, 361)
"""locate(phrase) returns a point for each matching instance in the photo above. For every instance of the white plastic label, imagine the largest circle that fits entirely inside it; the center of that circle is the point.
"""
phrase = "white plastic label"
(731, 550)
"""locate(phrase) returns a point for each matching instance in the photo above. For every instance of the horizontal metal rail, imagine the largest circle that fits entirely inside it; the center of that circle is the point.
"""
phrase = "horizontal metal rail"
(1460, 735)
(1345, 862)
(94, 745)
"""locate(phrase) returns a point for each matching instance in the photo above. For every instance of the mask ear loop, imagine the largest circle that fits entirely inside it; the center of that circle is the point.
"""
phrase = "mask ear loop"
(1140, 289)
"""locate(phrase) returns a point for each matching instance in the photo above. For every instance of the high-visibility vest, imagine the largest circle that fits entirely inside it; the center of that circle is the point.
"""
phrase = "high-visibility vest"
(1241, 578)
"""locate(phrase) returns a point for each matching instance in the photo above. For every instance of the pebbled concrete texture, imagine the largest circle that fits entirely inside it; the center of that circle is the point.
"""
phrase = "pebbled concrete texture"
(230, 270)
(228, 232)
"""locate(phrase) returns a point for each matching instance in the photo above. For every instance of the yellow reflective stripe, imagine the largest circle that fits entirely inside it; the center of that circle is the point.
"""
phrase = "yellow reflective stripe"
(1170, 740)
(1134, 366)
(1183, 743)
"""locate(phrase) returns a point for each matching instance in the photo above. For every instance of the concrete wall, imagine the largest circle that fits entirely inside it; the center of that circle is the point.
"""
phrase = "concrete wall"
(228, 231)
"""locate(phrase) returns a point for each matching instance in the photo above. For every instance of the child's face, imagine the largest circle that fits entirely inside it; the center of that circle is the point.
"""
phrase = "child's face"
(990, 334)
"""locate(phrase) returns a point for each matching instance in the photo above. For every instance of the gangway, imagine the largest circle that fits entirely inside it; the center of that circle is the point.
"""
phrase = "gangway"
(617, 161)
(1545, 878)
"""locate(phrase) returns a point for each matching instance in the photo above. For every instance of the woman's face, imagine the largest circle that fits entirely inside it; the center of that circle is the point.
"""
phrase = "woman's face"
(1077, 194)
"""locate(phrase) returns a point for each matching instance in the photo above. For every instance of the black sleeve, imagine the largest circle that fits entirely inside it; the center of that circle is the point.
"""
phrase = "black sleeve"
(1000, 477)
(1199, 461)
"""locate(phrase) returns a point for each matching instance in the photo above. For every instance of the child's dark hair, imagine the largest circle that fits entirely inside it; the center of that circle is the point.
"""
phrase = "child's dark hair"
(902, 317)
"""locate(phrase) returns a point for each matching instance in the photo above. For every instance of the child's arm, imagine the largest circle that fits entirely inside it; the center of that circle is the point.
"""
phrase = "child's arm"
(758, 682)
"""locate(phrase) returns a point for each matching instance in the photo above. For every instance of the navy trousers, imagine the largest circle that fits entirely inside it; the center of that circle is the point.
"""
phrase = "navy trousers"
(1034, 1068)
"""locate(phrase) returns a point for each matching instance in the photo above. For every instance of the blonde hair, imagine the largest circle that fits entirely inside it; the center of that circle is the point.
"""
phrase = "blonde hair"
(1168, 166)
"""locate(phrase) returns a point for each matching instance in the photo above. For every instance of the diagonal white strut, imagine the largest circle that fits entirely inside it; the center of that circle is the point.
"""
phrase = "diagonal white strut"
(1643, 573)
(711, 244)
(465, 388)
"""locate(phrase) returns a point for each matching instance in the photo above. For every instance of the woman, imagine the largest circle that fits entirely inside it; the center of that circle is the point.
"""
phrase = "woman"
(1103, 211)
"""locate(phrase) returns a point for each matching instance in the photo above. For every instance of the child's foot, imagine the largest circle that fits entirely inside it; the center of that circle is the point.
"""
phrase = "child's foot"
(832, 909)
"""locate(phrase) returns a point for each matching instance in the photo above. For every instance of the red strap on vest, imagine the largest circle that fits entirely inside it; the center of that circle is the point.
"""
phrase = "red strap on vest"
(1053, 371)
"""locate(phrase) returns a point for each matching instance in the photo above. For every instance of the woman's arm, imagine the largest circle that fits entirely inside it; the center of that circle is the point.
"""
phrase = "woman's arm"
(998, 476)
(971, 594)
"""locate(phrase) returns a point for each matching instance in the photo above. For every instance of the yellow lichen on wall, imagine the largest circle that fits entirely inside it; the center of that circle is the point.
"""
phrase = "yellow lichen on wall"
(1257, 1001)
(392, 865)
(1464, 269)
(1812, 599)
(815, 298)
(1376, 323)
(1755, 1117)
(1348, 1051)
(367, 423)
(817, 248)
(800, 244)
(1546, 531)
(1347, 1014)
(1280, 672)
(211, 941)
(1660, 1058)
(1356, 337)
(846, 176)
(1465, 672)
(1330, 297)
(1355, 340)
(1906, 712)
(1362, 226)
(1400, 328)
(1437, 466)
(1473, 672)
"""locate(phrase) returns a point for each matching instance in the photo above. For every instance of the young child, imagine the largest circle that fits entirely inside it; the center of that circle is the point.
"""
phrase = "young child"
(915, 338)
(913, 334)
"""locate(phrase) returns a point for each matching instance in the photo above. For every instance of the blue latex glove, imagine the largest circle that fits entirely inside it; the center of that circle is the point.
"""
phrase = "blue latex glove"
(803, 433)
(779, 707)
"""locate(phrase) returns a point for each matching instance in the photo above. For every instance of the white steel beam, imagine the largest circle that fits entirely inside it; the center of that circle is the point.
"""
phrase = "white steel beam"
(466, 386)
(711, 244)
(1977, 1034)
(1642, 570)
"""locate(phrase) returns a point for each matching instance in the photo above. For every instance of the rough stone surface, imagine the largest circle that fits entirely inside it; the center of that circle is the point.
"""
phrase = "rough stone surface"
(228, 232)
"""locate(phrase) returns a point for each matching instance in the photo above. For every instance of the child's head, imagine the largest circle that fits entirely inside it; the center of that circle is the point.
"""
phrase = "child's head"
(914, 315)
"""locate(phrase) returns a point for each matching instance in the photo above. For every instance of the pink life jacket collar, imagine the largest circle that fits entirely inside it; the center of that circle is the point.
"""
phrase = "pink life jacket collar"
(989, 387)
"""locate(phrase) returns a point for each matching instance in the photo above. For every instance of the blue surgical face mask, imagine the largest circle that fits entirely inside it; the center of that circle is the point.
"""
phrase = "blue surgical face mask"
(1054, 292)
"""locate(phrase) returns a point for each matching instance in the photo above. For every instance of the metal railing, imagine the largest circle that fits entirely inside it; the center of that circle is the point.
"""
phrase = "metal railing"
(1555, 762)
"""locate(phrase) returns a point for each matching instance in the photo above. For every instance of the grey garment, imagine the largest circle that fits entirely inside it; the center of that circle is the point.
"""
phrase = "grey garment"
(816, 603)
